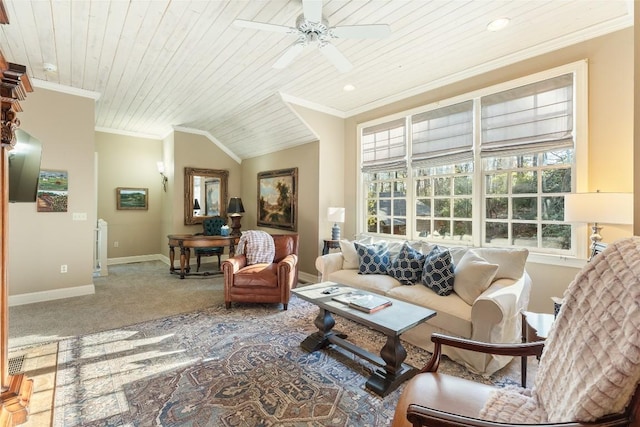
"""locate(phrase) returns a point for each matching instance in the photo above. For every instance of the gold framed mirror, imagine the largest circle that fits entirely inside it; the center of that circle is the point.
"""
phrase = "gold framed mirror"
(205, 194)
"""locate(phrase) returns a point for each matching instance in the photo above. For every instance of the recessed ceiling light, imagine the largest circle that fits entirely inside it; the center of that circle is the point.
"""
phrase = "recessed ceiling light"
(348, 87)
(497, 24)
(51, 68)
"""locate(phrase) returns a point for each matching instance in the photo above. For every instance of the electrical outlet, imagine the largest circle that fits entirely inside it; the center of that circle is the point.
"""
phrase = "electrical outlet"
(63, 268)
(116, 244)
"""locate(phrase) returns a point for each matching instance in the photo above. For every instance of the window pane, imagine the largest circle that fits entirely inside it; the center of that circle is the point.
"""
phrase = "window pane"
(372, 207)
(553, 208)
(527, 161)
(560, 157)
(464, 168)
(399, 189)
(442, 186)
(423, 227)
(556, 181)
(423, 207)
(525, 234)
(462, 208)
(441, 228)
(400, 207)
(497, 208)
(423, 188)
(384, 207)
(556, 236)
(525, 208)
(462, 230)
(525, 182)
(372, 225)
(496, 184)
(496, 231)
(462, 185)
(441, 207)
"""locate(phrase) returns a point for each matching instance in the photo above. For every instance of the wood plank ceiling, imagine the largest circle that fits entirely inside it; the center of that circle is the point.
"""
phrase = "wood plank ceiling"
(160, 64)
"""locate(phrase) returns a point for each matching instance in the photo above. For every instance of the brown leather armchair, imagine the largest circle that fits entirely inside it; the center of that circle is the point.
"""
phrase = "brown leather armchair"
(260, 283)
(588, 374)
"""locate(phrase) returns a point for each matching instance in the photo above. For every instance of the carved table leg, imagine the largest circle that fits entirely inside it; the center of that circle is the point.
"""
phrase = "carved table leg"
(385, 380)
(324, 322)
(172, 256)
(183, 258)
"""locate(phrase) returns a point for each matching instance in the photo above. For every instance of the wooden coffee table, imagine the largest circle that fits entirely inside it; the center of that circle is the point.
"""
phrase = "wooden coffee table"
(391, 321)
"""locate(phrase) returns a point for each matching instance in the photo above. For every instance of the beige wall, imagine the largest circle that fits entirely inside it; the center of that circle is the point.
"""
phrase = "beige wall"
(39, 243)
(305, 158)
(126, 161)
(610, 61)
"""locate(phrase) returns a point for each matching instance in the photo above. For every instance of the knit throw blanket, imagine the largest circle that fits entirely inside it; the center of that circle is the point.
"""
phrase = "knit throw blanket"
(590, 365)
(257, 246)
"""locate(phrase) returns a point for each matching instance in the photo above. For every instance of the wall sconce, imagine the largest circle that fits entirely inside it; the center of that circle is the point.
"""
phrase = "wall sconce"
(164, 178)
(594, 208)
(235, 211)
(335, 215)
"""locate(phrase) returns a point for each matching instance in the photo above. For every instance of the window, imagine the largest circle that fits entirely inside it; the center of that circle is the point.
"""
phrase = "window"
(489, 170)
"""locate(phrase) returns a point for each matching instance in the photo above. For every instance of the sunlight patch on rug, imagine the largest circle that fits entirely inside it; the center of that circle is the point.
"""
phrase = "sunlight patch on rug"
(218, 367)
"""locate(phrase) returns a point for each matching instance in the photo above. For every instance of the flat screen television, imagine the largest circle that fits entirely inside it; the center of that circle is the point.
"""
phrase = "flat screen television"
(24, 168)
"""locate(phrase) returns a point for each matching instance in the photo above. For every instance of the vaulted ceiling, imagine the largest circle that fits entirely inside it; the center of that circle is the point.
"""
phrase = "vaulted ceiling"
(155, 65)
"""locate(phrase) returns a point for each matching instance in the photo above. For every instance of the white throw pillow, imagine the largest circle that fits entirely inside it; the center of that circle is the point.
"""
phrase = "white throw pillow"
(473, 275)
(511, 261)
(350, 260)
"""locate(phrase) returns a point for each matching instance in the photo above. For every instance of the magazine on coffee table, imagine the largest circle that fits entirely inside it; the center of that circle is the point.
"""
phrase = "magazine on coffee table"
(366, 302)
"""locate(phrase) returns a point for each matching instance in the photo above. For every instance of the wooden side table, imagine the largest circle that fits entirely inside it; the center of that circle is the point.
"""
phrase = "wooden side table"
(330, 244)
(535, 327)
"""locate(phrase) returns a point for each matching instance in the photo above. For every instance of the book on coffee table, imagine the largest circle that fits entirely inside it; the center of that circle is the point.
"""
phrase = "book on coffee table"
(366, 302)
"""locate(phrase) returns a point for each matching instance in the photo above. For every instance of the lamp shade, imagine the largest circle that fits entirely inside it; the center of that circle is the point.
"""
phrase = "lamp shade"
(196, 205)
(335, 214)
(607, 208)
(235, 206)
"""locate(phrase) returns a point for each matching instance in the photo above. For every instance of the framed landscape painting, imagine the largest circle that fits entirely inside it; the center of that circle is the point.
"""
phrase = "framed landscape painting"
(278, 199)
(132, 198)
(53, 189)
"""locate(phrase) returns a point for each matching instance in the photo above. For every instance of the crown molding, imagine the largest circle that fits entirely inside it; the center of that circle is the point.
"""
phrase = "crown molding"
(66, 89)
(525, 54)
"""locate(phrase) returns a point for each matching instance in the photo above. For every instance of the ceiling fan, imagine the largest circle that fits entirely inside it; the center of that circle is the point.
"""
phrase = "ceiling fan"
(313, 28)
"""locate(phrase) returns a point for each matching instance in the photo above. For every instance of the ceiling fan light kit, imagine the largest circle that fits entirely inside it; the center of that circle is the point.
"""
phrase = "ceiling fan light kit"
(313, 28)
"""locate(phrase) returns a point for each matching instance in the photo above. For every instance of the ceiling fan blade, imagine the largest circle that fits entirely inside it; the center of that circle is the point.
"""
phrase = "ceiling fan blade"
(289, 55)
(336, 57)
(312, 10)
(373, 31)
(264, 26)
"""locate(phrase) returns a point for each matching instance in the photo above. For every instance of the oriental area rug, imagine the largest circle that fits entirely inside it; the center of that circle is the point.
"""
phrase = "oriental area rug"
(219, 367)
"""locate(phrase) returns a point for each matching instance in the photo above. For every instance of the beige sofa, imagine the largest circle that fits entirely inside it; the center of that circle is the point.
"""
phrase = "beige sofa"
(494, 315)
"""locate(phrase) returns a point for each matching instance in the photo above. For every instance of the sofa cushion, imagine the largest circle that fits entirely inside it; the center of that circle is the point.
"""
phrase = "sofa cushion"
(473, 275)
(374, 259)
(407, 266)
(350, 258)
(377, 283)
(453, 314)
(437, 273)
(511, 262)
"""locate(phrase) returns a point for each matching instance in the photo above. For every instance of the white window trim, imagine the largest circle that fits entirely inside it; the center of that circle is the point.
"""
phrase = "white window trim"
(580, 176)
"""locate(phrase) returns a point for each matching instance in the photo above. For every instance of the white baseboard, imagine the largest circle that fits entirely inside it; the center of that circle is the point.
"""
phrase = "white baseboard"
(51, 295)
(307, 277)
(139, 258)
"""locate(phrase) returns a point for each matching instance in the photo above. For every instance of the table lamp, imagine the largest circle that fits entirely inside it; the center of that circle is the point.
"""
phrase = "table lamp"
(335, 215)
(235, 211)
(595, 208)
(196, 206)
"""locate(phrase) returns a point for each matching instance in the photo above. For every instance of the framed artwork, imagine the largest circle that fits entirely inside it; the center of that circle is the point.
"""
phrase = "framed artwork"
(278, 199)
(132, 198)
(53, 189)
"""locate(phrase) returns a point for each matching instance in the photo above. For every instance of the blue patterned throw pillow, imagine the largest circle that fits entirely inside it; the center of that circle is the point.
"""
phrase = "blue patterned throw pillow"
(407, 266)
(437, 273)
(374, 259)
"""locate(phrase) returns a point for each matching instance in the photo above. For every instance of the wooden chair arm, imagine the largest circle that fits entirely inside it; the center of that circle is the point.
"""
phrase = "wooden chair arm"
(423, 416)
(520, 349)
